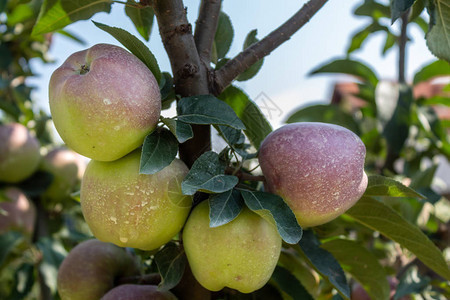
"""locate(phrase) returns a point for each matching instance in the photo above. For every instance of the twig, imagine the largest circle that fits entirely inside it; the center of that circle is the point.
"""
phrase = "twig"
(244, 176)
(206, 27)
(225, 75)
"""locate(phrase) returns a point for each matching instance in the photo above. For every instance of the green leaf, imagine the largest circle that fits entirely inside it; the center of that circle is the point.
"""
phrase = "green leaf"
(207, 109)
(362, 265)
(273, 208)
(327, 113)
(8, 241)
(207, 175)
(171, 263)
(135, 46)
(159, 150)
(324, 262)
(422, 24)
(224, 35)
(412, 282)
(57, 14)
(257, 126)
(359, 37)
(141, 16)
(289, 284)
(438, 37)
(182, 131)
(434, 69)
(388, 187)
(399, 7)
(72, 36)
(23, 281)
(53, 254)
(167, 90)
(36, 184)
(389, 43)
(350, 67)
(230, 135)
(253, 69)
(382, 218)
(371, 8)
(224, 207)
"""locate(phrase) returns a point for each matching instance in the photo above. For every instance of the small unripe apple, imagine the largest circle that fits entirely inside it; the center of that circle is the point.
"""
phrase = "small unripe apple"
(130, 209)
(317, 168)
(18, 213)
(90, 270)
(241, 254)
(138, 292)
(67, 168)
(104, 101)
(19, 153)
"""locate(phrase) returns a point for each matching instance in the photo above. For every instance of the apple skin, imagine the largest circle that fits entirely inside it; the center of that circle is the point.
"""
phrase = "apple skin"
(241, 254)
(67, 168)
(317, 168)
(104, 101)
(19, 153)
(130, 209)
(21, 212)
(91, 268)
(138, 292)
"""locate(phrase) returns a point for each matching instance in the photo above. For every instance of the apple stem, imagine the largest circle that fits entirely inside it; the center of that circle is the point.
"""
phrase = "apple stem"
(84, 69)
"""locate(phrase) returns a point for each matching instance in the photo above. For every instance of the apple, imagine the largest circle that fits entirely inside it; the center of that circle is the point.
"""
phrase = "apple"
(104, 101)
(19, 153)
(137, 292)
(241, 254)
(17, 213)
(90, 270)
(317, 168)
(130, 209)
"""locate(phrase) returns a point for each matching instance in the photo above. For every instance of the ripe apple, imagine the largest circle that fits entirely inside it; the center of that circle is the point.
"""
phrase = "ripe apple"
(130, 209)
(19, 153)
(241, 254)
(91, 269)
(18, 213)
(104, 101)
(138, 292)
(317, 168)
(67, 168)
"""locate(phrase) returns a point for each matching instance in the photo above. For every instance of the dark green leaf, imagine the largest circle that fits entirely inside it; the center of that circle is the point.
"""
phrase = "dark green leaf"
(171, 263)
(132, 43)
(207, 109)
(289, 284)
(21, 13)
(434, 69)
(159, 150)
(388, 187)
(3, 5)
(24, 280)
(53, 254)
(422, 24)
(417, 10)
(359, 37)
(224, 35)
(329, 113)
(253, 69)
(362, 265)
(371, 8)
(382, 218)
(350, 67)
(273, 208)
(36, 184)
(230, 135)
(389, 43)
(412, 282)
(224, 207)
(141, 16)
(8, 241)
(182, 131)
(56, 14)
(438, 40)
(257, 126)
(324, 262)
(399, 7)
(207, 175)
(167, 90)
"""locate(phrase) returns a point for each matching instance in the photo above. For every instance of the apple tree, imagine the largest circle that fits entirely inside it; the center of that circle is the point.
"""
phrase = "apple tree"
(316, 209)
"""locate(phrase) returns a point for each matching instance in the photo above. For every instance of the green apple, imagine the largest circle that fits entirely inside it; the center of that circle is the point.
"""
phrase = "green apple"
(19, 153)
(90, 270)
(317, 168)
(130, 209)
(104, 101)
(17, 212)
(241, 254)
(67, 168)
(138, 292)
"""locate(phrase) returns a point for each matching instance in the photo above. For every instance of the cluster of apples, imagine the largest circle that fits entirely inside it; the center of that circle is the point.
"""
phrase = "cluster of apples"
(20, 157)
(104, 101)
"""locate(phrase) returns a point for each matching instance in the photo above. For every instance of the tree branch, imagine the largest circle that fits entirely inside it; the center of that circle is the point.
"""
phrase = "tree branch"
(225, 75)
(402, 47)
(206, 27)
(190, 75)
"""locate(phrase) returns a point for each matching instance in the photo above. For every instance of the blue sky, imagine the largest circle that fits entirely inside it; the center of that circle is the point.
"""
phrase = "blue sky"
(283, 77)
